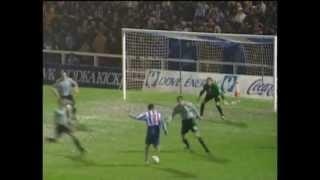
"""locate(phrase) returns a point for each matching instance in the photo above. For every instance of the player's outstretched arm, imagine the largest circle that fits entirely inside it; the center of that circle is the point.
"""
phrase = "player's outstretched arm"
(141, 117)
(132, 116)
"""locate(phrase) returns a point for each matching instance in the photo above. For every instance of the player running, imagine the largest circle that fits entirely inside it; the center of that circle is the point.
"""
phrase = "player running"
(62, 125)
(189, 114)
(212, 92)
(154, 122)
(64, 88)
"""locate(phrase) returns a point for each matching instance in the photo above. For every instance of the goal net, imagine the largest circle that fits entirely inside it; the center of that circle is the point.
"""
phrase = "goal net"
(236, 54)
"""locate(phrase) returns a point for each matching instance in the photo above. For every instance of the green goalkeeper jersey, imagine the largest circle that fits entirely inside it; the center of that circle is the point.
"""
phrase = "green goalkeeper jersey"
(215, 90)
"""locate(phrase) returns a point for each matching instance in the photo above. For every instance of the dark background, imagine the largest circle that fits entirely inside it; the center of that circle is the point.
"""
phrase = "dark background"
(21, 125)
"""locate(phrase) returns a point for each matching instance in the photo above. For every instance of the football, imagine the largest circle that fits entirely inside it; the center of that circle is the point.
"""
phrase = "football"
(156, 159)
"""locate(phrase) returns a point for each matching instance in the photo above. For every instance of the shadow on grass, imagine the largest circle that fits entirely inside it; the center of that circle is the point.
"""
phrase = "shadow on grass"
(211, 157)
(175, 172)
(86, 162)
(82, 127)
(231, 123)
(141, 151)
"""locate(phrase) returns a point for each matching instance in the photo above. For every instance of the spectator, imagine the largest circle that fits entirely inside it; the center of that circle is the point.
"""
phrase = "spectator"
(211, 25)
(50, 16)
(74, 25)
(239, 16)
(102, 27)
(217, 15)
(85, 47)
(72, 59)
(257, 27)
(217, 29)
(70, 42)
(83, 29)
(201, 10)
(227, 27)
(47, 43)
(261, 7)
(99, 43)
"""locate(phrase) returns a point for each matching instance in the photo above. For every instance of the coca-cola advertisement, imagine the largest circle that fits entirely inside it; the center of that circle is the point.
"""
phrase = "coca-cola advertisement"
(261, 88)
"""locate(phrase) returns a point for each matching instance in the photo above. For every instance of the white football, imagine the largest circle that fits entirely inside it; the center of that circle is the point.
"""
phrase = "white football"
(156, 159)
(69, 107)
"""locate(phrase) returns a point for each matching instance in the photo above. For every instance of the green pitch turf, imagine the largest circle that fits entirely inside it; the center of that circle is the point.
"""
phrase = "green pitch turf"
(244, 147)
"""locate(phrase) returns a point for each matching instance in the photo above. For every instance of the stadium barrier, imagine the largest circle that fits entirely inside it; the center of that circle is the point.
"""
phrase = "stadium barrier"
(101, 77)
(88, 69)
(192, 82)
(95, 70)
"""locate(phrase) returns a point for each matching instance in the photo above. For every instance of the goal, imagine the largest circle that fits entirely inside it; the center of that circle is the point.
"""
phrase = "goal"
(239, 54)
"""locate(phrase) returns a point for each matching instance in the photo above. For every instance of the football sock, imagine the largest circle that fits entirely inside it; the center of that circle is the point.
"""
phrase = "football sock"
(220, 110)
(185, 141)
(203, 144)
(77, 143)
(201, 109)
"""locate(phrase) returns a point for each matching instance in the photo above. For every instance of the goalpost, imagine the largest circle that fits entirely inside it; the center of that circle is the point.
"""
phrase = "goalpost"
(239, 54)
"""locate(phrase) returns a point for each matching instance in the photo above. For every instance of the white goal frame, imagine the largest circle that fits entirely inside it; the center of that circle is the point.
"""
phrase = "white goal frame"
(125, 30)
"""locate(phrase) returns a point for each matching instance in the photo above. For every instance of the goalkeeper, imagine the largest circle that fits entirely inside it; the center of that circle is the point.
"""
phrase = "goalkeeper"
(212, 92)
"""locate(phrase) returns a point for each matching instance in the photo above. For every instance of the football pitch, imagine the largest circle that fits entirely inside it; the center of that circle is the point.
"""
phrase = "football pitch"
(244, 146)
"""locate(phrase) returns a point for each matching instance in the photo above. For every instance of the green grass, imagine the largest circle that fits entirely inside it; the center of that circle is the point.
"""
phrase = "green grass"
(243, 150)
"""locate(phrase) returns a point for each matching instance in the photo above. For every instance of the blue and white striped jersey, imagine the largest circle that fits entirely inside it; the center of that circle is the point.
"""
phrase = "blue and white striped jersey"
(152, 118)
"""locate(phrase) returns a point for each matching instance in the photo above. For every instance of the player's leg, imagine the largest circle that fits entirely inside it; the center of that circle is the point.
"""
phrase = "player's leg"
(156, 143)
(75, 140)
(74, 109)
(184, 131)
(148, 141)
(69, 112)
(146, 153)
(204, 102)
(218, 106)
(156, 140)
(196, 132)
(185, 141)
(56, 134)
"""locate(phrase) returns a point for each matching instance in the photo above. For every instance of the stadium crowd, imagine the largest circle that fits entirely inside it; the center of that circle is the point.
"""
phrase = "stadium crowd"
(96, 26)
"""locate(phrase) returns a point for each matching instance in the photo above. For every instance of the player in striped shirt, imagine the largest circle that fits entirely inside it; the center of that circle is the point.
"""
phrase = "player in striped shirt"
(154, 123)
(188, 114)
